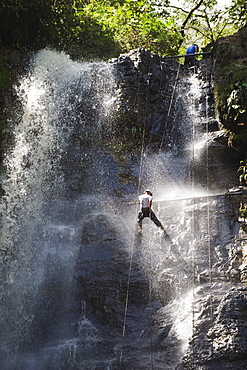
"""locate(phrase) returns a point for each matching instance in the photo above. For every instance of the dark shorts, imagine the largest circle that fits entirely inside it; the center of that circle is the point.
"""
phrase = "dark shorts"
(147, 212)
(190, 60)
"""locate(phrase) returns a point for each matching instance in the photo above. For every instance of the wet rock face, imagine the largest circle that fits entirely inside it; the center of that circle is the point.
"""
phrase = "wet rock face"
(228, 334)
(232, 47)
(165, 308)
(149, 102)
(178, 301)
(221, 338)
(146, 82)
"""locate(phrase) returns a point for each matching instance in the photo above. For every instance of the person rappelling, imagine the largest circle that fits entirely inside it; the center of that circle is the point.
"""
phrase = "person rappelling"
(190, 59)
(145, 201)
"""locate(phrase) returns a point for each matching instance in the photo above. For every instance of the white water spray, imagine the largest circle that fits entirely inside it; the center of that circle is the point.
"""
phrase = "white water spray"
(34, 233)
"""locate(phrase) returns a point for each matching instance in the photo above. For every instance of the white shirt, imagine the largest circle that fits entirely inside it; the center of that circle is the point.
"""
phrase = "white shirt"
(144, 200)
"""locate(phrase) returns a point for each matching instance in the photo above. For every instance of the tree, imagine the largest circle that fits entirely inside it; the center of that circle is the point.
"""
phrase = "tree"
(189, 16)
(202, 21)
(135, 24)
(35, 23)
(238, 12)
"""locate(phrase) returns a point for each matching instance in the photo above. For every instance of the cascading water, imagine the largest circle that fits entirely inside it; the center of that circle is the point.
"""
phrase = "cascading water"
(38, 236)
(70, 250)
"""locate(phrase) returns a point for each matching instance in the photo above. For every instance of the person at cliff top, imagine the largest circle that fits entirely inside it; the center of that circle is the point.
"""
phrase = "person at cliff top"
(145, 201)
(190, 59)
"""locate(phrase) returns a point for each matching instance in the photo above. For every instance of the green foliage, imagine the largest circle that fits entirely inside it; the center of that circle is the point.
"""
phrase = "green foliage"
(243, 211)
(90, 40)
(35, 24)
(202, 22)
(231, 89)
(229, 76)
(103, 29)
(93, 28)
(136, 24)
(26, 23)
(238, 98)
(233, 112)
(238, 12)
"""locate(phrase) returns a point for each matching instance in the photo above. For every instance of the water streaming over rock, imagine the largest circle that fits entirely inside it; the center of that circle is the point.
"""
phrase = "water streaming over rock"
(71, 253)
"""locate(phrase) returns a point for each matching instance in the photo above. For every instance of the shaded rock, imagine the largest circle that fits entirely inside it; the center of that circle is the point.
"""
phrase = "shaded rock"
(222, 342)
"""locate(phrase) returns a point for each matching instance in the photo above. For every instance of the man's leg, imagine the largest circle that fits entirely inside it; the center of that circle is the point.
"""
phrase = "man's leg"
(155, 220)
(140, 218)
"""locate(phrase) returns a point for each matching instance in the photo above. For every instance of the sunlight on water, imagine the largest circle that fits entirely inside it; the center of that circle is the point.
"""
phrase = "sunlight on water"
(177, 192)
(183, 321)
(33, 95)
(198, 148)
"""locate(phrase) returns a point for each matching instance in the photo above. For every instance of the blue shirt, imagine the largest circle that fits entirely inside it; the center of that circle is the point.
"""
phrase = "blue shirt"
(192, 49)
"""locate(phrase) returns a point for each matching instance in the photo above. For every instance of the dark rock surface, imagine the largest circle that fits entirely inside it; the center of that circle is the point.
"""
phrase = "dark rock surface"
(187, 297)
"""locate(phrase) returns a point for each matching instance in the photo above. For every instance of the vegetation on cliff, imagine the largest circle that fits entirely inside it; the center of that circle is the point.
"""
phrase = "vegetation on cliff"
(231, 88)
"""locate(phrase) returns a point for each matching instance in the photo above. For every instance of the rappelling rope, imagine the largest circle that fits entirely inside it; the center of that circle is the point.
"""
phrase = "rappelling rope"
(208, 206)
(209, 241)
(193, 236)
(144, 129)
(127, 298)
(139, 186)
(208, 223)
(153, 181)
(153, 186)
(133, 239)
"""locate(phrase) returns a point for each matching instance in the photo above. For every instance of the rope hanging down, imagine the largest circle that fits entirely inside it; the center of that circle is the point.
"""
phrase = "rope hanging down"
(139, 185)
(133, 239)
(150, 233)
(193, 264)
(208, 224)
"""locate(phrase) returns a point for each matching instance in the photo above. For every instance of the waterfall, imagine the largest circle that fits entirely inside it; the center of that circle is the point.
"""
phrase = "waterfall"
(68, 239)
(39, 229)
